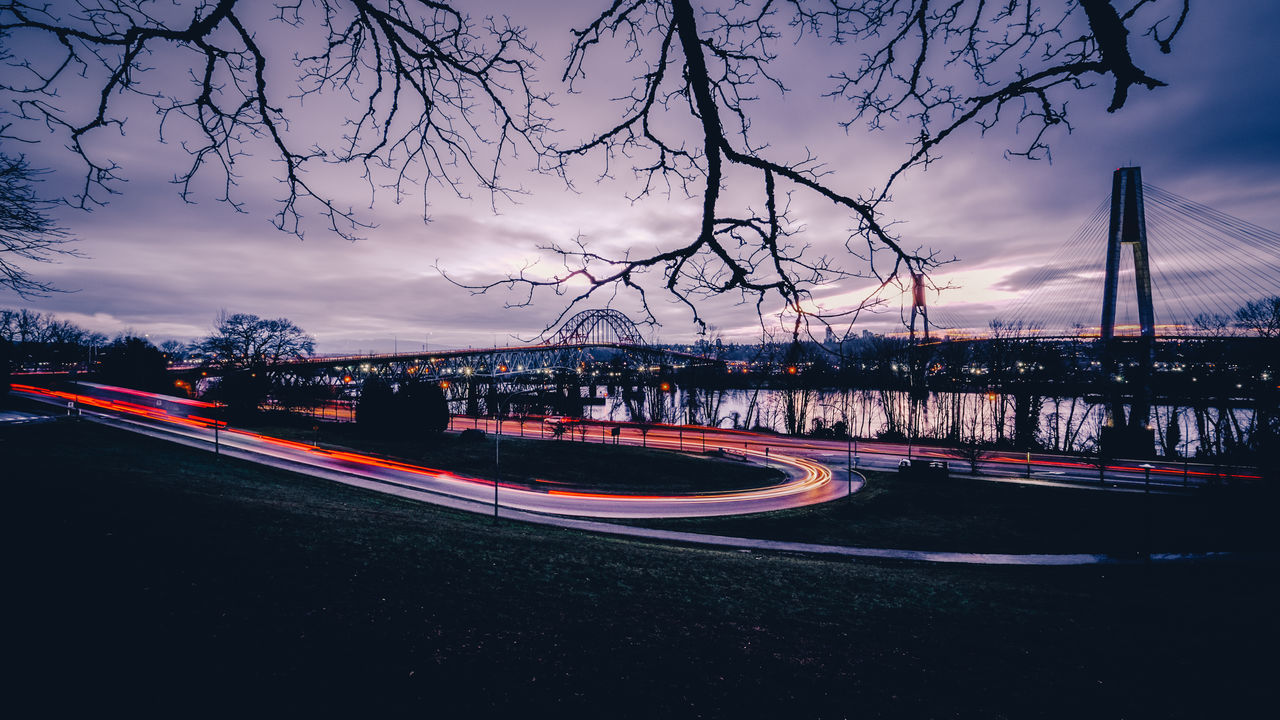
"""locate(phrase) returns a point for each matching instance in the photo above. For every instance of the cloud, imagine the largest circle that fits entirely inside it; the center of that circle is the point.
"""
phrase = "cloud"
(1034, 278)
(162, 266)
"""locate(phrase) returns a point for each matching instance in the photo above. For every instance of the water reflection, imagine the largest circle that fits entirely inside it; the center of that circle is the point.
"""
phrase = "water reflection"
(1068, 424)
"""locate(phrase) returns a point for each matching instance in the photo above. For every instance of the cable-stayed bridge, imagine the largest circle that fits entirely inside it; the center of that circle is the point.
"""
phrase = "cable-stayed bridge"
(1192, 269)
(1154, 299)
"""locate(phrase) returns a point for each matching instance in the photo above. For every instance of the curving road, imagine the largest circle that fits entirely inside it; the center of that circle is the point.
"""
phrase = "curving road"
(815, 469)
(1036, 468)
(808, 481)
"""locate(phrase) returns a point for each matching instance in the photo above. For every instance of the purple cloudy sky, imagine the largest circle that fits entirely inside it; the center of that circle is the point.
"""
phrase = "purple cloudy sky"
(157, 265)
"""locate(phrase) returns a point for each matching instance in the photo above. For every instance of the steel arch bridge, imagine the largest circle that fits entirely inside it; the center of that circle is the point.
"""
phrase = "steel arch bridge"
(597, 327)
(592, 349)
(587, 336)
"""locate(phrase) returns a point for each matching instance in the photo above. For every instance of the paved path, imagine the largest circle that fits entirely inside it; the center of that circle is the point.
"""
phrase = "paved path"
(14, 417)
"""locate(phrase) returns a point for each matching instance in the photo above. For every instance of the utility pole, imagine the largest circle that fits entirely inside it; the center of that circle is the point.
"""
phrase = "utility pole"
(1146, 470)
(848, 468)
(497, 463)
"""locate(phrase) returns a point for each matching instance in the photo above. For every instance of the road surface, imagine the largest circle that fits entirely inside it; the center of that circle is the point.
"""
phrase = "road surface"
(816, 470)
(1036, 468)
(807, 481)
(191, 422)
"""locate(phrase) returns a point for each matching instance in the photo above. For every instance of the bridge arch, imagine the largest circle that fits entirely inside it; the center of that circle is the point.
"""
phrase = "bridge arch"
(597, 327)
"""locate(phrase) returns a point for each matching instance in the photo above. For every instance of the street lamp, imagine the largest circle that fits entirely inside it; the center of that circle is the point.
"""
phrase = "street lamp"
(218, 422)
(848, 435)
(497, 442)
(1146, 471)
(497, 465)
(1186, 438)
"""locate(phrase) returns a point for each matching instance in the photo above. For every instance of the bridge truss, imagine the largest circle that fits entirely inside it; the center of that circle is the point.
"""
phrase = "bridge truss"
(593, 354)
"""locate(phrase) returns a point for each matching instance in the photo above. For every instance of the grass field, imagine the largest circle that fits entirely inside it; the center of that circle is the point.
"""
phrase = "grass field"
(152, 579)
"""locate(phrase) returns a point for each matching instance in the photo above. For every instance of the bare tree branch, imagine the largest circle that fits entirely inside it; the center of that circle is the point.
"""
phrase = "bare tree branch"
(936, 66)
(26, 230)
(436, 97)
(431, 96)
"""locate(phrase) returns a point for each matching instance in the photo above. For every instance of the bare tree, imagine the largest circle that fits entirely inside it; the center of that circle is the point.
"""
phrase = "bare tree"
(435, 96)
(26, 326)
(27, 233)
(1212, 325)
(430, 94)
(1260, 317)
(39, 340)
(939, 67)
(248, 341)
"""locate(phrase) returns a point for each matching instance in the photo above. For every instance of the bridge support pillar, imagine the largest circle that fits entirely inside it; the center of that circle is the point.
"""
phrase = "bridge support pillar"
(1128, 227)
(919, 391)
(473, 401)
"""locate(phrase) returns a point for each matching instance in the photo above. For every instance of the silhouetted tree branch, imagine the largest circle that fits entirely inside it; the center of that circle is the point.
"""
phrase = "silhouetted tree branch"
(246, 341)
(429, 95)
(1260, 317)
(937, 66)
(26, 230)
(434, 96)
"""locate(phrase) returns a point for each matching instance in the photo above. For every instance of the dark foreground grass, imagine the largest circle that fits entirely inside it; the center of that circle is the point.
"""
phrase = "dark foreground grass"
(977, 516)
(149, 579)
(589, 465)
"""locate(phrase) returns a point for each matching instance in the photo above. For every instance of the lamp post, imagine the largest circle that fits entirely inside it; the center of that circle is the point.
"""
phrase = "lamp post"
(497, 442)
(848, 460)
(1146, 471)
(217, 423)
(497, 462)
(1186, 438)
(849, 442)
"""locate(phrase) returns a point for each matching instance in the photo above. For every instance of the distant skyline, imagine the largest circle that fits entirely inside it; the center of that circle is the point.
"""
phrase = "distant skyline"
(157, 265)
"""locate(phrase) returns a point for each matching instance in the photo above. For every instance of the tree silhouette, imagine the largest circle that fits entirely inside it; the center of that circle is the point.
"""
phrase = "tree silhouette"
(27, 233)
(1260, 317)
(375, 410)
(938, 67)
(41, 340)
(436, 96)
(430, 94)
(246, 341)
(414, 408)
(133, 362)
